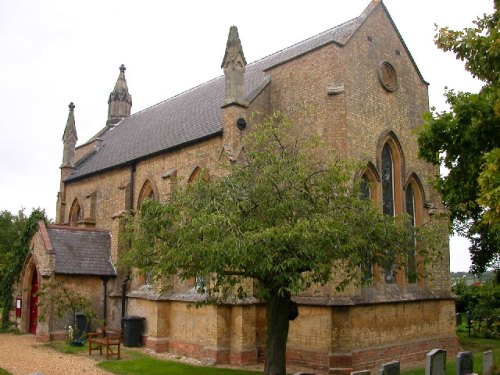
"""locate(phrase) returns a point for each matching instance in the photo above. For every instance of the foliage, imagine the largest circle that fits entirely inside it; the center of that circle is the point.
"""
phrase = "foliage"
(483, 302)
(285, 220)
(143, 364)
(15, 242)
(4, 372)
(489, 184)
(10, 228)
(56, 298)
(465, 140)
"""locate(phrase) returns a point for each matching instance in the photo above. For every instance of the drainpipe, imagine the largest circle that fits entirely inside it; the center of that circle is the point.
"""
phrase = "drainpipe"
(132, 187)
(105, 299)
(124, 295)
(131, 208)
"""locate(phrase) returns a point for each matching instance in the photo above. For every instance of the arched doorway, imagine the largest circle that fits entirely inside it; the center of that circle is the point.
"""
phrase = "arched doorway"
(33, 317)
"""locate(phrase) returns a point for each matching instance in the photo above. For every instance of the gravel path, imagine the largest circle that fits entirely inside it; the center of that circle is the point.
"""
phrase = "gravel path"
(22, 355)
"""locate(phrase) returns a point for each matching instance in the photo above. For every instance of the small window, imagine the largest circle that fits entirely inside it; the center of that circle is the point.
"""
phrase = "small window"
(412, 254)
(75, 215)
(365, 188)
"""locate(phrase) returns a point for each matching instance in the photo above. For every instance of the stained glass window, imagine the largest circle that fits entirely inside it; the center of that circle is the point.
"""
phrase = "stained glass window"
(388, 199)
(387, 181)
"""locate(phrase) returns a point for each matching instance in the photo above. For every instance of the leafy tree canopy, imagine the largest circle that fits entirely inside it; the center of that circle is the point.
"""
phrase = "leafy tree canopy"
(289, 217)
(466, 140)
(15, 236)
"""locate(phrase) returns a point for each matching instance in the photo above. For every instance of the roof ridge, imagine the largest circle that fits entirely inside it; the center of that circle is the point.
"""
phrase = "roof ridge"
(304, 40)
(76, 229)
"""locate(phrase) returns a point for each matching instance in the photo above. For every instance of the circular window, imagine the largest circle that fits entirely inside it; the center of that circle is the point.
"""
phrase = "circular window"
(387, 76)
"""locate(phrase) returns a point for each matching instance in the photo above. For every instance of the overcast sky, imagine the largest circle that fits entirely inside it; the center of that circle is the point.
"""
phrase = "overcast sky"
(56, 51)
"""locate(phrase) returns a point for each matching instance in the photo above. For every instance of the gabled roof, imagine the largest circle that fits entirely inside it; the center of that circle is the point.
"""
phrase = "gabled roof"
(195, 115)
(81, 251)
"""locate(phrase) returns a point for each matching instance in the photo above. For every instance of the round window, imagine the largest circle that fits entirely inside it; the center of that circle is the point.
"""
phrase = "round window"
(387, 76)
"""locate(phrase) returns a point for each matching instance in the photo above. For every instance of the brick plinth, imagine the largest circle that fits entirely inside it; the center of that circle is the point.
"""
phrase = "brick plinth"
(219, 355)
(371, 358)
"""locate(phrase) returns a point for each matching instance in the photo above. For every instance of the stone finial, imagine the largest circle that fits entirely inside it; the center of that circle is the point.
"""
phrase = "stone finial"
(234, 50)
(234, 64)
(120, 101)
(69, 139)
(70, 129)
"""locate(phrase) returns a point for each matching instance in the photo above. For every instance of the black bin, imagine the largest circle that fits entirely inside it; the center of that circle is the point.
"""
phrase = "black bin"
(132, 329)
(82, 326)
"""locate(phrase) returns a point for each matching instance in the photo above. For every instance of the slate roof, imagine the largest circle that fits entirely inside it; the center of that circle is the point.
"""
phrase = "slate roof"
(81, 251)
(196, 114)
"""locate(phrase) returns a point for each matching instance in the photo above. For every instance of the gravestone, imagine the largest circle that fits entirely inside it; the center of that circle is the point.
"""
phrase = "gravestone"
(362, 372)
(435, 362)
(391, 368)
(464, 363)
(487, 362)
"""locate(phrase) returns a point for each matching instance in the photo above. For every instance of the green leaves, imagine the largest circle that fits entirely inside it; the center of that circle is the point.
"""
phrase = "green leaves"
(287, 218)
(14, 242)
(461, 138)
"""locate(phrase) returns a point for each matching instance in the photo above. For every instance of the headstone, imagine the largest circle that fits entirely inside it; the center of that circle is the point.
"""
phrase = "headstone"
(487, 362)
(362, 372)
(464, 363)
(391, 368)
(435, 362)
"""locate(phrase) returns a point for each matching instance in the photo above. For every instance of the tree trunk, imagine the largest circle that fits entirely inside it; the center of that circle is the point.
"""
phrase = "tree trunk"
(278, 311)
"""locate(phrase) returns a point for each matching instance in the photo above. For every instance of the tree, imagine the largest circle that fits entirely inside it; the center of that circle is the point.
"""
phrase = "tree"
(14, 247)
(56, 298)
(289, 217)
(466, 140)
(10, 228)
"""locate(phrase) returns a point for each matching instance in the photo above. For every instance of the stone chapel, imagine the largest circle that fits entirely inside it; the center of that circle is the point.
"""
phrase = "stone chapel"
(368, 97)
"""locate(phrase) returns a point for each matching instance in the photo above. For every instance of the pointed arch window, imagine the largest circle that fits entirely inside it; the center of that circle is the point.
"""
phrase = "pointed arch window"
(75, 214)
(147, 192)
(388, 199)
(387, 181)
(365, 188)
(411, 272)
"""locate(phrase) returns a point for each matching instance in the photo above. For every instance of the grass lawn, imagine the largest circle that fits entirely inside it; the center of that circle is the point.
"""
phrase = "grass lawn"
(64, 347)
(475, 345)
(141, 364)
(138, 363)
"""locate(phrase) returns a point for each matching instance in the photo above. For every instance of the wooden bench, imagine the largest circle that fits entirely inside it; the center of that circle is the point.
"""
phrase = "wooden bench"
(106, 338)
